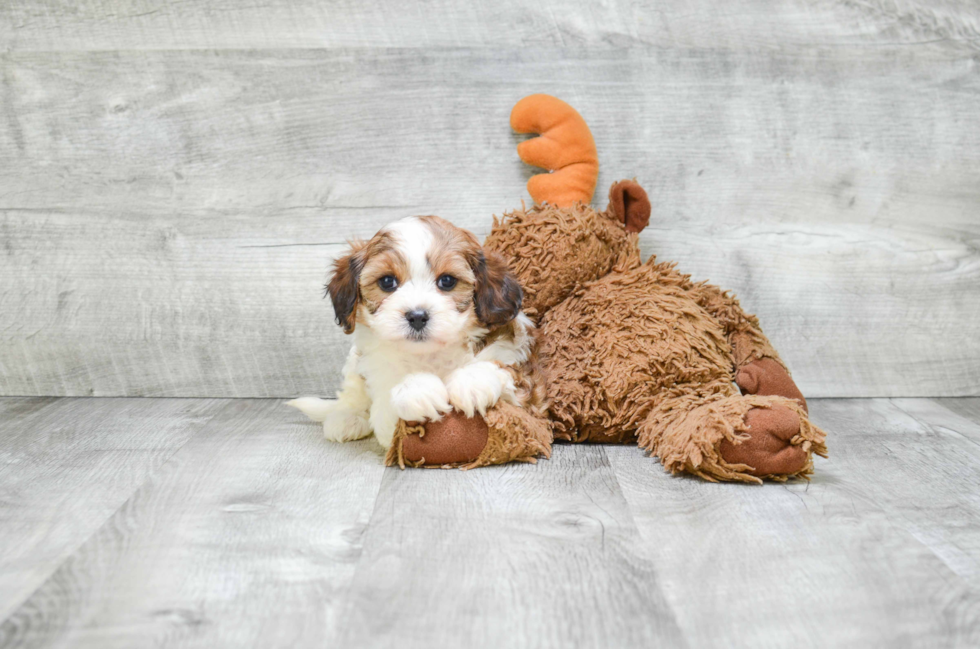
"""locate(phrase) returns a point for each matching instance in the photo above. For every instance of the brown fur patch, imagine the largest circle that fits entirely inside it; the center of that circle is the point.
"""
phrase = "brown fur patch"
(343, 287)
(529, 377)
(452, 249)
(531, 381)
(347, 284)
(497, 295)
(450, 252)
(382, 260)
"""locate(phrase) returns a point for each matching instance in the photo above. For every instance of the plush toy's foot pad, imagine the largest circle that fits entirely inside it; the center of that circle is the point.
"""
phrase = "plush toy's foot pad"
(769, 449)
(739, 438)
(454, 439)
(766, 377)
(507, 433)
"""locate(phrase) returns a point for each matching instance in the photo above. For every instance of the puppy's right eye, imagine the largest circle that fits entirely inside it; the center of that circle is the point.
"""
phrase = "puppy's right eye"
(388, 283)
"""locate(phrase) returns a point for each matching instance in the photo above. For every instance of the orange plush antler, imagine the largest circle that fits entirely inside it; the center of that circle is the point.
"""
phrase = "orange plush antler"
(565, 147)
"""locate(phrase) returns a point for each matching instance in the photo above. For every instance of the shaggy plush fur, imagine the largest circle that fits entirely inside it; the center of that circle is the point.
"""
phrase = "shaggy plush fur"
(552, 250)
(638, 352)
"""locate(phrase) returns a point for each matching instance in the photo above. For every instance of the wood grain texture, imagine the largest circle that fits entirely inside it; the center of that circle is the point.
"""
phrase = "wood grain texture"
(67, 465)
(950, 443)
(167, 217)
(257, 532)
(518, 555)
(227, 24)
(881, 548)
(968, 409)
(248, 535)
(175, 177)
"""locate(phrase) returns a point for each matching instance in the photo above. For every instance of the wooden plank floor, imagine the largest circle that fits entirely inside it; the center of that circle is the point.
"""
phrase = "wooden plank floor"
(193, 522)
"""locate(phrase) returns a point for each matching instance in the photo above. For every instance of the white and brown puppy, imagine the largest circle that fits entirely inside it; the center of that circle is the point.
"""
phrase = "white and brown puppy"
(437, 324)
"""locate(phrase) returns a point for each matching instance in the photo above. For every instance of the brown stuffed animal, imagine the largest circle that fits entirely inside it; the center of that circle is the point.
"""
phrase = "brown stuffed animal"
(633, 351)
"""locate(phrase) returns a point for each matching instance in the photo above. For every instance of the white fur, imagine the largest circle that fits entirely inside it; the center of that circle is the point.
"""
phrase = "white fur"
(390, 376)
(314, 408)
(420, 397)
(347, 418)
(477, 386)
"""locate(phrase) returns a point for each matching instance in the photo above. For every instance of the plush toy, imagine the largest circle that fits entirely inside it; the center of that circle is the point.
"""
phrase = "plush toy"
(634, 351)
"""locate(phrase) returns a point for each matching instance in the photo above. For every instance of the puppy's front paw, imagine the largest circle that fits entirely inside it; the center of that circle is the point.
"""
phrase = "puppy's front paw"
(420, 397)
(343, 424)
(476, 387)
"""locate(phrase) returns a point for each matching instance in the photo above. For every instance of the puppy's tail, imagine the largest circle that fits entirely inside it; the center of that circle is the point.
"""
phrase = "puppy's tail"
(315, 409)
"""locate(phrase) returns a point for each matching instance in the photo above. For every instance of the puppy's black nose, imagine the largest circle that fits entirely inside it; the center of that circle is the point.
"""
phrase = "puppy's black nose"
(417, 319)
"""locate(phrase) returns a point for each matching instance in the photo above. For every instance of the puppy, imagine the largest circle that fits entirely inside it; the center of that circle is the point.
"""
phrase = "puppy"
(437, 325)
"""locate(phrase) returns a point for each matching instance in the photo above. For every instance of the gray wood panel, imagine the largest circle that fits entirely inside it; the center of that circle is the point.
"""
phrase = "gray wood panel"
(518, 555)
(67, 465)
(968, 409)
(882, 548)
(255, 531)
(167, 217)
(942, 444)
(248, 535)
(229, 24)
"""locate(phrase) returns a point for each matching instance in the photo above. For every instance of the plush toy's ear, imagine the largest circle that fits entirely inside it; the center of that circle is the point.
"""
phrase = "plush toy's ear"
(497, 295)
(628, 204)
(343, 288)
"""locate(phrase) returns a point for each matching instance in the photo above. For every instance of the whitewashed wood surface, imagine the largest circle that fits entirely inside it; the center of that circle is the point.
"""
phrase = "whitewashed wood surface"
(67, 465)
(233, 523)
(176, 177)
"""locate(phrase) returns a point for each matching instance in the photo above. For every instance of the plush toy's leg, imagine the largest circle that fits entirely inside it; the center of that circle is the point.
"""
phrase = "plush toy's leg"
(514, 435)
(505, 434)
(768, 377)
(741, 329)
(732, 437)
(758, 368)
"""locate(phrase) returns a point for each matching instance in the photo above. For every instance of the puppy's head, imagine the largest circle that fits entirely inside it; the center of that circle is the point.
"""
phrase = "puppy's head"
(423, 282)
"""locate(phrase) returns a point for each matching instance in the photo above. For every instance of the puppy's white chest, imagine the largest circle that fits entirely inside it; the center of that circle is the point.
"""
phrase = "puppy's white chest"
(382, 372)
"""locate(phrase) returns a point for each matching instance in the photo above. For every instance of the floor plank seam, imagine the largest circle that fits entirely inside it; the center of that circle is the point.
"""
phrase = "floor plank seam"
(933, 427)
(97, 529)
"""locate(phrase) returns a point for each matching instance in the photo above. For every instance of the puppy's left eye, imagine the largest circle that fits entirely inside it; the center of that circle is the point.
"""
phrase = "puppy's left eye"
(446, 282)
(388, 283)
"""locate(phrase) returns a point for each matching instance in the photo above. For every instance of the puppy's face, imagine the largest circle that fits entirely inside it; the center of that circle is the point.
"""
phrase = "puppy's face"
(424, 283)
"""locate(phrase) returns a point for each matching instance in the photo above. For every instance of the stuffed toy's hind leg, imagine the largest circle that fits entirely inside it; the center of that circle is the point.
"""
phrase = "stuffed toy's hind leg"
(725, 436)
(759, 370)
(768, 377)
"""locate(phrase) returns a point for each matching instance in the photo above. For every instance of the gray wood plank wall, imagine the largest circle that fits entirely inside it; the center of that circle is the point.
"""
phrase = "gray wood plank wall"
(175, 177)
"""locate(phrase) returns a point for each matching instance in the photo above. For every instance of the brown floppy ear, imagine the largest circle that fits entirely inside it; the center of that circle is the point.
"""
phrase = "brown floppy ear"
(628, 204)
(343, 288)
(497, 294)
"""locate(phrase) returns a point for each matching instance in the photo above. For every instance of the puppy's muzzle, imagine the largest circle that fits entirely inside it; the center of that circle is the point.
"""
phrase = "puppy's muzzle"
(417, 319)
